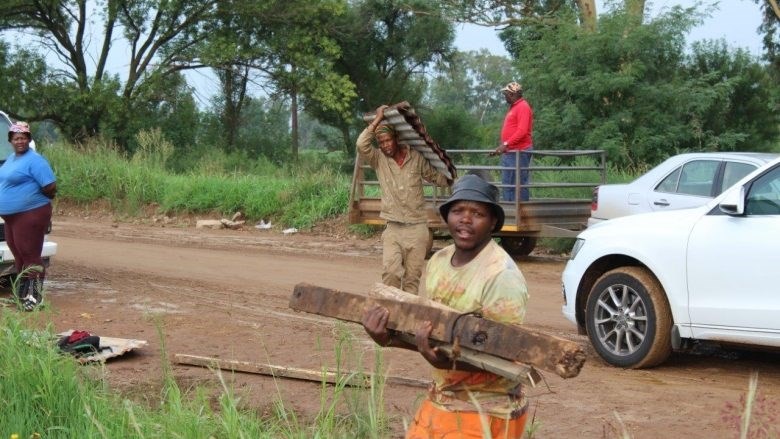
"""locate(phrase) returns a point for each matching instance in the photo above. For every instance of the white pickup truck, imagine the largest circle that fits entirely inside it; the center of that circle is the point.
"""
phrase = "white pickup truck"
(6, 257)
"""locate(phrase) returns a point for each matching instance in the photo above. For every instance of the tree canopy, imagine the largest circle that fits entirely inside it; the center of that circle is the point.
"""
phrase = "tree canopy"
(636, 92)
(617, 80)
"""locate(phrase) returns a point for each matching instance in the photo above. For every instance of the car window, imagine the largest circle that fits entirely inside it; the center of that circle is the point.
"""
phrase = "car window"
(693, 178)
(669, 184)
(764, 195)
(733, 172)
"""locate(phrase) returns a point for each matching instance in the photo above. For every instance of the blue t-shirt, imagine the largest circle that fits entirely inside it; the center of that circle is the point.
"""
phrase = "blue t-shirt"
(21, 180)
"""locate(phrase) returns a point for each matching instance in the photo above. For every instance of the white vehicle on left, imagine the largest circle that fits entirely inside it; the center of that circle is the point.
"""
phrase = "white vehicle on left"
(6, 257)
(641, 286)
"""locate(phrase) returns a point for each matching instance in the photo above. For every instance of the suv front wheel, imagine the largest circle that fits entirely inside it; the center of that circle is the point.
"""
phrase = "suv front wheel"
(628, 318)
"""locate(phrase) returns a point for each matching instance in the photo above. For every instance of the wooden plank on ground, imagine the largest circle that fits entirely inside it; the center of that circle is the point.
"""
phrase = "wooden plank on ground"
(330, 377)
(558, 355)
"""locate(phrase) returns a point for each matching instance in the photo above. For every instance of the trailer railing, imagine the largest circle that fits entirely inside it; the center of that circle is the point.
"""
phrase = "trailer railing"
(560, 187)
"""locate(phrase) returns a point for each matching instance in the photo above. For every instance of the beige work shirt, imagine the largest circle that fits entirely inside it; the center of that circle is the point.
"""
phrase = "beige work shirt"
(402, 186)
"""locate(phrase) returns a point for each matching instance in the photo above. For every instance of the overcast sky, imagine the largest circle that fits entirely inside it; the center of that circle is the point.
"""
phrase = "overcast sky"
(736, 21)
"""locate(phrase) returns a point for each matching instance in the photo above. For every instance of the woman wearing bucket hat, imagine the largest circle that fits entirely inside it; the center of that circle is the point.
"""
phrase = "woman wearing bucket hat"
(473, 274)
(27, 185)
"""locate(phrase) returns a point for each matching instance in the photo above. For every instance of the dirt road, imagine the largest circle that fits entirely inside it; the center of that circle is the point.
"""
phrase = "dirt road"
(225, 293)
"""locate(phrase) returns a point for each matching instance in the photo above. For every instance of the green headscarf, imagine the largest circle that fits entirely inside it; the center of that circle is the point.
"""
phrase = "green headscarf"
(384, 128)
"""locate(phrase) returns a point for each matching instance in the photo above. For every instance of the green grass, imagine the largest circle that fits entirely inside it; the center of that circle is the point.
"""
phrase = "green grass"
(298, 196)
(49, 393)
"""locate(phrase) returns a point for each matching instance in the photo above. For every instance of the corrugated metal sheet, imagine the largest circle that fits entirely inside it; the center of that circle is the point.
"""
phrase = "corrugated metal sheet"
(411, 131)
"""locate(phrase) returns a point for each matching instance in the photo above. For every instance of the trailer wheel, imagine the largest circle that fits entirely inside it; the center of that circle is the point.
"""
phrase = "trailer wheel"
(518, 246)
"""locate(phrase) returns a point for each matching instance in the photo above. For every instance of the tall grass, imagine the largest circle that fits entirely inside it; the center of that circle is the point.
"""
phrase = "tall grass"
(46, 392)
(313, 190)
(756, 415)
(295, 197)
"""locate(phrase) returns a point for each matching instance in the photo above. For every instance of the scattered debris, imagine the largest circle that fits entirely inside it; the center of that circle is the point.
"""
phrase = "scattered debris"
(224, 223)
(110, 347)
(262, 225)
(80, 344)
(230, 224)
(290, 231)
(210, 224)
(164, 219)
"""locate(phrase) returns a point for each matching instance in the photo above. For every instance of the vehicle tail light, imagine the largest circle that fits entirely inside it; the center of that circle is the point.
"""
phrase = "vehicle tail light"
(594, 201)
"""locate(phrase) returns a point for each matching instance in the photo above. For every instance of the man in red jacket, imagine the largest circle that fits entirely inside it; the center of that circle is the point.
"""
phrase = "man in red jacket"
(516, 140)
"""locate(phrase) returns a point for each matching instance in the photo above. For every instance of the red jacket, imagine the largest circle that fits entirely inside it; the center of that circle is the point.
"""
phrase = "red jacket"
(518, 126)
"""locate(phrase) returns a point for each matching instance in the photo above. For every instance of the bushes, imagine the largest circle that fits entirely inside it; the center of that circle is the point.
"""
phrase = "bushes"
(295, 197)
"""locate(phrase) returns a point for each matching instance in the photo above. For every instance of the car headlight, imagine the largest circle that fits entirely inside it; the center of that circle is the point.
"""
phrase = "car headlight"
(577, 246)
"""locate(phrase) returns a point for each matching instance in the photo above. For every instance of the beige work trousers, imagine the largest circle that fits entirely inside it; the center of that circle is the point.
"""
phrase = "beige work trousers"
(404, 247)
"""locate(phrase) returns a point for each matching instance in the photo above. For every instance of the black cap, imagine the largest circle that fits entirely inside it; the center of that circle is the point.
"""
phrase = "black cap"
(473, 188)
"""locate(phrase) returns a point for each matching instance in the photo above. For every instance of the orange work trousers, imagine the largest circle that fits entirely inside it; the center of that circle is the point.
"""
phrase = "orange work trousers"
(433, 423)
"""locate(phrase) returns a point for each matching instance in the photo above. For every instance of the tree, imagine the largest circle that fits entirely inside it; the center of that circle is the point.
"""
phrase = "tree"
(464, 107)
(282, 46)
(304, 65)
(506, 13)
(156, 33)
(740, 100)
(473, 80)
(165, 102)
(26, 83)
(636, 93)
(386, 49)
(770, 27)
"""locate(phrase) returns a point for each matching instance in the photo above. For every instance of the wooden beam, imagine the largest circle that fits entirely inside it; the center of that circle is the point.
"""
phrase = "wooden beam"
(349, 378)
(499, 366)
(510, 342)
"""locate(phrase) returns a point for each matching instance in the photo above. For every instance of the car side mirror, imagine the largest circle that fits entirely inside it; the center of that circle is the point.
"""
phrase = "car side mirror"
(733, 203)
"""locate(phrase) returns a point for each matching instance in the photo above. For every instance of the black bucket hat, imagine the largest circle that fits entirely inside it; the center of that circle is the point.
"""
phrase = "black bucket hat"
(471, 187)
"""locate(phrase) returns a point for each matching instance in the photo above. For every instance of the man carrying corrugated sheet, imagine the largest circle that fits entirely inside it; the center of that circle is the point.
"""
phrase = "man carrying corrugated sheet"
(400, 171)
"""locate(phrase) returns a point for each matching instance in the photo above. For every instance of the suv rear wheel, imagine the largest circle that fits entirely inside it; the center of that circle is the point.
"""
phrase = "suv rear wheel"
(628, 318)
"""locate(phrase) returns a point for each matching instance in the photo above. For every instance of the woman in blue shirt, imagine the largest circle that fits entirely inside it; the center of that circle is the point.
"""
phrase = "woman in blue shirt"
(27, 185)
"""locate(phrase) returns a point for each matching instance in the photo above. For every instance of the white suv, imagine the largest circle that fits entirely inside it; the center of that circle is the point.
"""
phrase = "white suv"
(643, 285)
(6, 257)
